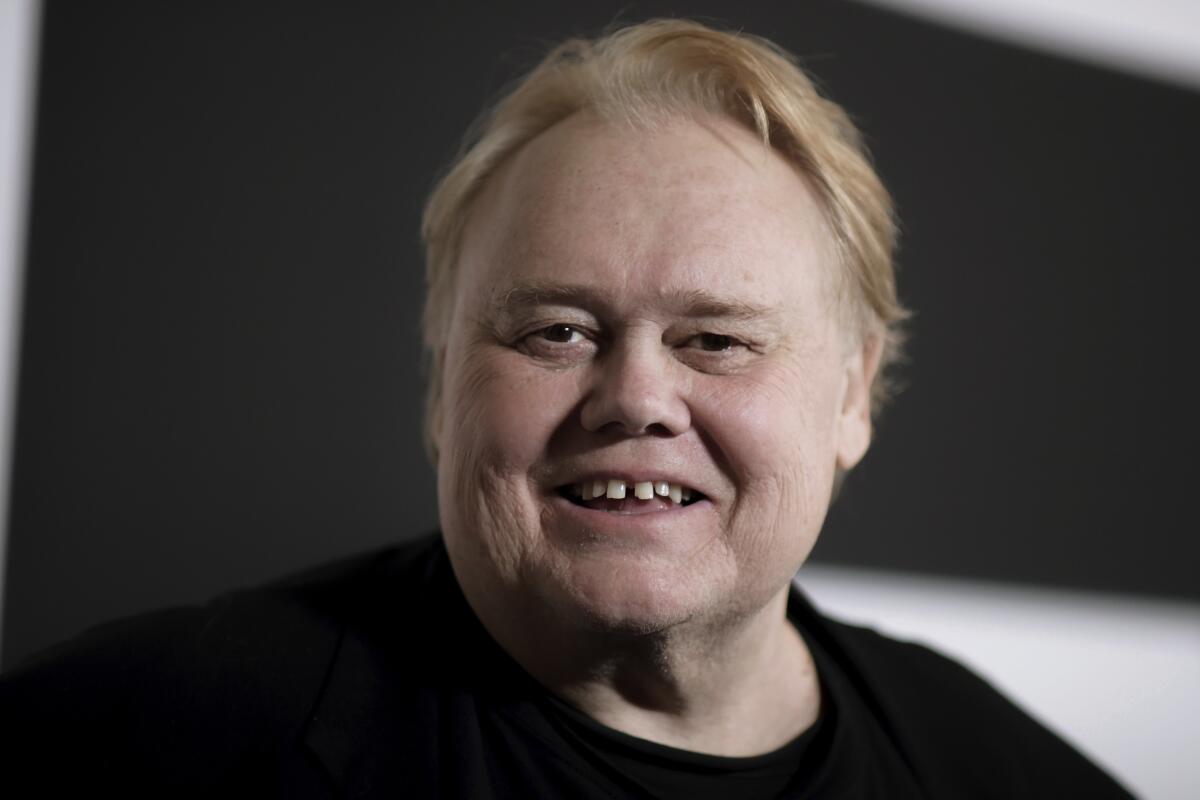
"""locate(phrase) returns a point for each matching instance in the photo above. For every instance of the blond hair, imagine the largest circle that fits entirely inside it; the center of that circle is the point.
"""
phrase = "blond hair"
(641, 74)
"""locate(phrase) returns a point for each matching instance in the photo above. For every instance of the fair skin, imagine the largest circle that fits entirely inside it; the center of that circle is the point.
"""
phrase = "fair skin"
(645, 305)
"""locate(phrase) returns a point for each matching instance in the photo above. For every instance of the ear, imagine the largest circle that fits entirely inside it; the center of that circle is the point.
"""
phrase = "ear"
(854, 415)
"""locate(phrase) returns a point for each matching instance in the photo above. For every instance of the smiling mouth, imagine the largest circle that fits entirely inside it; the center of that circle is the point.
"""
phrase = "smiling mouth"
(633, 497)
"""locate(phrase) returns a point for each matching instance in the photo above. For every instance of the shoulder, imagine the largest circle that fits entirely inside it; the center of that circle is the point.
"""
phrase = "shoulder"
(956, 730)
(200, 688)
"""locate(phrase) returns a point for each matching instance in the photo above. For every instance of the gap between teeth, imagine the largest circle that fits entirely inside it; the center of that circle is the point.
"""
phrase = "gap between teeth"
(642, 490)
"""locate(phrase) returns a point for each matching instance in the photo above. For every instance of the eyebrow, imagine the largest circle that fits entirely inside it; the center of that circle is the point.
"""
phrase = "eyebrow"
(691, 303)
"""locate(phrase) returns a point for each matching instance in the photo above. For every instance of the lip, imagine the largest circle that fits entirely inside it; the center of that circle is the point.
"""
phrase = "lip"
(674, 522)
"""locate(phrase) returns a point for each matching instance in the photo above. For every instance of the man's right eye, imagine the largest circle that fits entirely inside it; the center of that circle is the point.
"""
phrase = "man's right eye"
(561, 334)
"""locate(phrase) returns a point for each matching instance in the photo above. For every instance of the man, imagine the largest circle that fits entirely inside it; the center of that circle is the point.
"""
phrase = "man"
(660, 302)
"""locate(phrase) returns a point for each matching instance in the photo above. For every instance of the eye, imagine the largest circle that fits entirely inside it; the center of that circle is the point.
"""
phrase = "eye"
(712, 342)
(561, 334)
(558, 343)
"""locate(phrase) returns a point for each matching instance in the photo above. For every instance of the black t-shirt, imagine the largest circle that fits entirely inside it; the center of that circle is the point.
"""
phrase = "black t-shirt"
(668, 772)
(372, 678)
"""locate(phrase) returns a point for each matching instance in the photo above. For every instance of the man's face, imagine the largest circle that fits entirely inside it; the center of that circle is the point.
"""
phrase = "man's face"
(639, 307)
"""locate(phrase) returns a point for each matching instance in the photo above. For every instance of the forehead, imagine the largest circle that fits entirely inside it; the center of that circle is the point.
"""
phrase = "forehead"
(644, 211)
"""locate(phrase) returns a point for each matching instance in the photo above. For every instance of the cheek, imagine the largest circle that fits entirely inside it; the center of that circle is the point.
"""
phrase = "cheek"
(499, 414)
(769, 425)
(493, 433)
(775, 438)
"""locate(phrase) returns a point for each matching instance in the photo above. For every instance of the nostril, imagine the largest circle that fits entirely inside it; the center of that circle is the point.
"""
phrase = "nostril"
(622, 429)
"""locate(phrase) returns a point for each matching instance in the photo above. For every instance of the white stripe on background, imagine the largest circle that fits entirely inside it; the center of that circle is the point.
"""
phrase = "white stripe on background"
(1155, 38)
(1117, 676)
(18, 69)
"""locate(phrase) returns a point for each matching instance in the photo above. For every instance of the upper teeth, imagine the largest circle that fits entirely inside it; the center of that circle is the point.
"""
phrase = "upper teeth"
(643, 490)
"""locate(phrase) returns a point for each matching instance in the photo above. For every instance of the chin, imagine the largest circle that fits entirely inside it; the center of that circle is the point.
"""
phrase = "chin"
(639, 597)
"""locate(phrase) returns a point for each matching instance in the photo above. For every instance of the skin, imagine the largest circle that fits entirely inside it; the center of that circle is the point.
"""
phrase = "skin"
(647, 303)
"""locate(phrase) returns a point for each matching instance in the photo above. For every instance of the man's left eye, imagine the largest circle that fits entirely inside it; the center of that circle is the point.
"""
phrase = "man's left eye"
(561, 334)
(712, 342)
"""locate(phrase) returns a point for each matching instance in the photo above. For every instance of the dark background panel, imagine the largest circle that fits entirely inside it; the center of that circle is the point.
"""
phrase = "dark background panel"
(221, 374)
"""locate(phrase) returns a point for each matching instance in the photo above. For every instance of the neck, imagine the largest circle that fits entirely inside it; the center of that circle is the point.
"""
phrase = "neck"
(736, 688)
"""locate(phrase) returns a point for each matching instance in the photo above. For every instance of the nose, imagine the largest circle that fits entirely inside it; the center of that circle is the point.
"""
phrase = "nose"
(636, 391)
